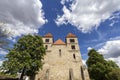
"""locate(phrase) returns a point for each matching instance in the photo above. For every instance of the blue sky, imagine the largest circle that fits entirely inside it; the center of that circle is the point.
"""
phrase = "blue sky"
(96, 23)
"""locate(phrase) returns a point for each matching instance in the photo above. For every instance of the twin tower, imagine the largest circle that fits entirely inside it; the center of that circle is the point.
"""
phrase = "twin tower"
(62, 60)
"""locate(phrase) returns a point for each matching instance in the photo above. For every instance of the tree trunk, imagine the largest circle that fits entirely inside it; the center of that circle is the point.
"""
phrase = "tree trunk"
(22, 74)
(32, 77)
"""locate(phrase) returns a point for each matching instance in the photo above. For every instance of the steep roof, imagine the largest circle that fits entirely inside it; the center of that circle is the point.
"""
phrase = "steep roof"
(59, 42)
(70, 35)
(48, 35)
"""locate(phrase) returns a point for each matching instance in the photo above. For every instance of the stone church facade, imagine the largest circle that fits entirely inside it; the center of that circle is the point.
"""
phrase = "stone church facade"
(62, 60)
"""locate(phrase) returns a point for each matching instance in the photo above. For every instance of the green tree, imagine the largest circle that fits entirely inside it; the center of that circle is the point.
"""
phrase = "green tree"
(98, 67)
(95, 65)
(94, 57)
(28, 52)
(112, 64)
(114, 74)
(112, 68)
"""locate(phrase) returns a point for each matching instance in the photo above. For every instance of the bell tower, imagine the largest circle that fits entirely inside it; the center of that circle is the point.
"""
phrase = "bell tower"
(73, 47)
(72, 41)
(48, 40)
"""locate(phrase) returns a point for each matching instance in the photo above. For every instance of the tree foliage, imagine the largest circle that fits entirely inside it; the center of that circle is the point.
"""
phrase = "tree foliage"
(99, 68)
(28, 52)
(114, 74)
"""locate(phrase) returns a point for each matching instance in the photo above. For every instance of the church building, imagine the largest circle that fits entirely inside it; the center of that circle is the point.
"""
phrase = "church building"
(62, 60)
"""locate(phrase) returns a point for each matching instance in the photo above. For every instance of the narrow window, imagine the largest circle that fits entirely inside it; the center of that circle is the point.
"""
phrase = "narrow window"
(60, 52)
(46, 40)
(72, 40)
(82, 73)
(71, 76)
(46, 46)
(73, 47)
(74, 56)
(47, 74)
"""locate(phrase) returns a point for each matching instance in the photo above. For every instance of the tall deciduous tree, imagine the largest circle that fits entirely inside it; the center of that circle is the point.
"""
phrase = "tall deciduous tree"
(99, 68)
(28, 52)
(95, 65)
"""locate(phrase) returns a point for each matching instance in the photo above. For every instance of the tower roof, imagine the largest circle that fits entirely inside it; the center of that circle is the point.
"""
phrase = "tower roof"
(59, 42)
(70, 35)
(48, 35)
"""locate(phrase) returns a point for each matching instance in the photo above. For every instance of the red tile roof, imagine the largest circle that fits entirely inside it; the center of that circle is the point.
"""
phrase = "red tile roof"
(70, 35)
(48, 35)
(59, 42)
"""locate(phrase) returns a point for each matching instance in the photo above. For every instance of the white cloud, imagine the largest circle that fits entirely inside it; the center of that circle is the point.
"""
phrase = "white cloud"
(89, 48)
(117, 60)
(18, 17)
(87, 14)
(115, 38)
(84, 62)
(111, 51)
(3, 51)
(115, 16)
(1, 63)
(113, 22)
(63, 1)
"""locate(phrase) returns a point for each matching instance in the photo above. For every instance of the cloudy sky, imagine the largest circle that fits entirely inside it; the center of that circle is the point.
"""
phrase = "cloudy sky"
(96, 23)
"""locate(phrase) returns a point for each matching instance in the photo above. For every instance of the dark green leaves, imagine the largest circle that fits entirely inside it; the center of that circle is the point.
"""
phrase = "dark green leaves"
(99, 68)
(28, 52)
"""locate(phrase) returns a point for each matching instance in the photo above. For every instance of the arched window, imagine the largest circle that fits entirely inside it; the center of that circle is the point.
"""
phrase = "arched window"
(47, 74)
(72, 46)
(71, 76)
(74, 56)
(46, 47)
(72, 41)
(60, 52)
(82, 73)
(47, 40)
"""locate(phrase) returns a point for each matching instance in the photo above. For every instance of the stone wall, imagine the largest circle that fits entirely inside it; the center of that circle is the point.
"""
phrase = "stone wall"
(63, 63)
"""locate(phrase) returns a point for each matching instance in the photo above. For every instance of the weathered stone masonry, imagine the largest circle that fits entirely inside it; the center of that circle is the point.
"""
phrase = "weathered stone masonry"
(62, 60)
